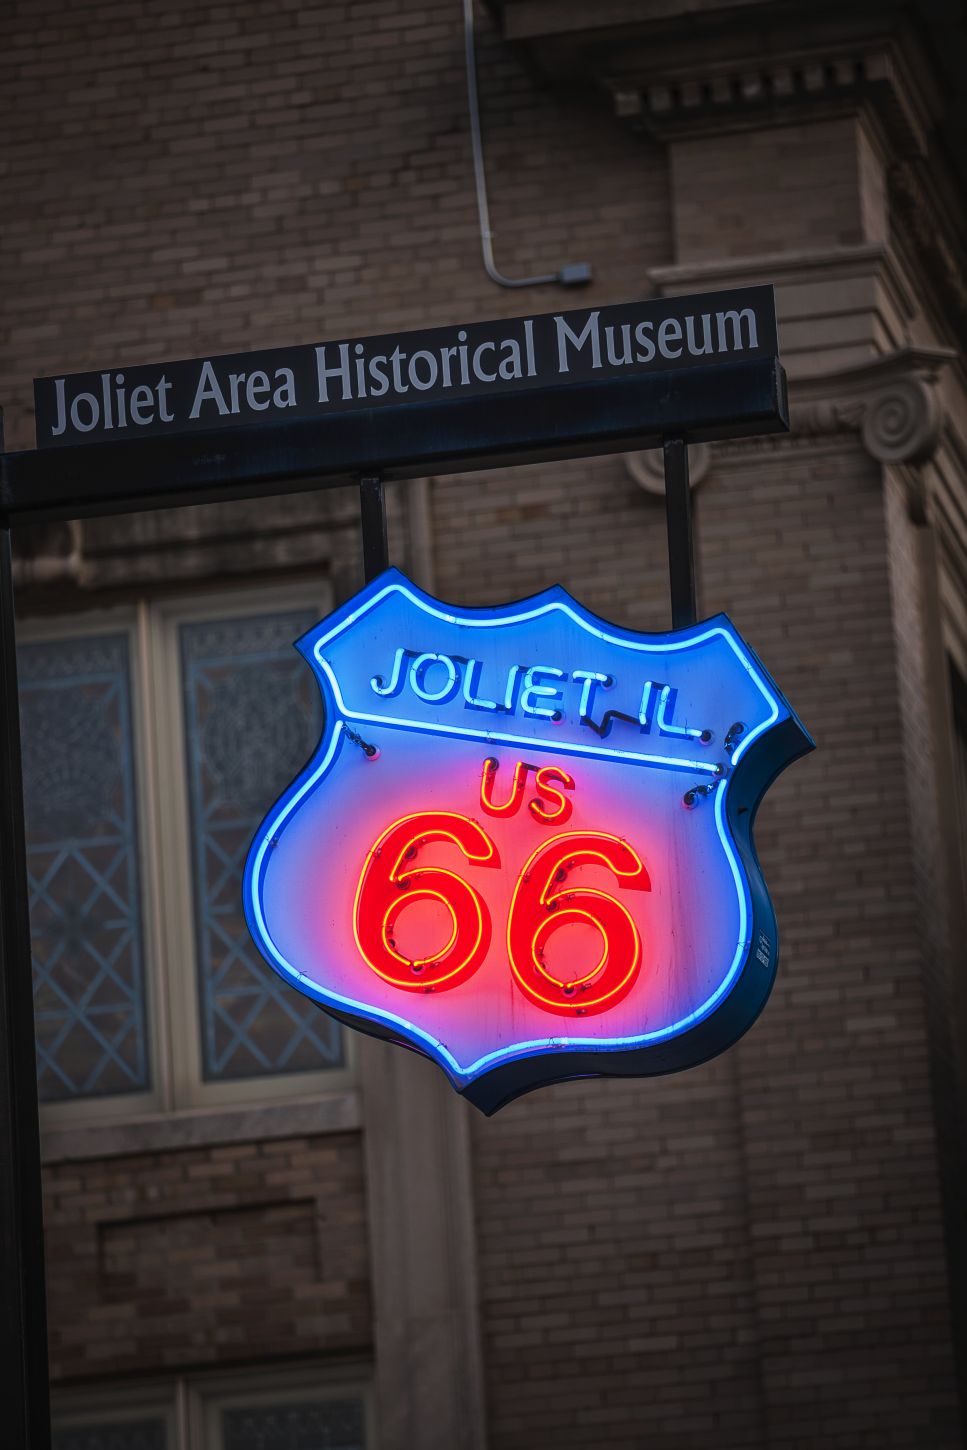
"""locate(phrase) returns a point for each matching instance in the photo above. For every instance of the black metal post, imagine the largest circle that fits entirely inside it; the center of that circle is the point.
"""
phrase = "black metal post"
(23, 1305)
(681, 549)
(372, 508)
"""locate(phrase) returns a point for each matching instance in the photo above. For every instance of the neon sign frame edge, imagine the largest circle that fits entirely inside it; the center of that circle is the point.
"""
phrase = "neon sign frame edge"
(497, 1078)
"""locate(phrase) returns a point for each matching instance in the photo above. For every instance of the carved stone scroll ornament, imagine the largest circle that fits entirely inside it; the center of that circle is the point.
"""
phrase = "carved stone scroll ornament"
(901, 423)
(647, 468)
(893, 402)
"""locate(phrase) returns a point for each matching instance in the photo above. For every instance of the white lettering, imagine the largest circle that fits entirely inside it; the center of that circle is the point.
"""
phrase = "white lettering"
(141, 397)
(432, 370)
(478, 370)
(106, 398)
(669, 331)
(163, 389)
(360, 370)
(208, 391)
(446, 354)
(529, 348)
(256, 391)
(284, 395)
(396, 358)
(235, 381)
(693, 347)
(565, 336)
(377, 375)
(625, 357)
(736, 319)
(91, 402)
(509, 366)
(643, 338)
(341, 372)
(61, 408)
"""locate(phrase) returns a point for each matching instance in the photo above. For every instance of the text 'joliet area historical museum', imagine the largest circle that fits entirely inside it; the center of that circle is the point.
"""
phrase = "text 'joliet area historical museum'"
(483, 753)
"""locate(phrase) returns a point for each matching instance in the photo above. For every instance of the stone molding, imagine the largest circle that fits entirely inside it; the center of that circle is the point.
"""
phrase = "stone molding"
(338, 1112)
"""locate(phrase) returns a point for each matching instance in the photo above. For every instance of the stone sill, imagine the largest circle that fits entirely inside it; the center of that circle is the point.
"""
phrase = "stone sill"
(338, 1112)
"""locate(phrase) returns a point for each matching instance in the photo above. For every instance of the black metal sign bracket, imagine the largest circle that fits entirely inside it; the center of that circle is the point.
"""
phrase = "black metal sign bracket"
(678, 517)
(372, 509)
(681, 547)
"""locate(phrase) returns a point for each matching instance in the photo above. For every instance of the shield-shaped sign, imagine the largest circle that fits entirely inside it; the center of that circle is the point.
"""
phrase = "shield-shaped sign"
(523, 846)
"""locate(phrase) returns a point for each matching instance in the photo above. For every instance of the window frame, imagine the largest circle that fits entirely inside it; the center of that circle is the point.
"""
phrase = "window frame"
(190, 1405)
(189, 1088)
(170, 962)
(121, 619)
(209, 1397)
(80, 1409)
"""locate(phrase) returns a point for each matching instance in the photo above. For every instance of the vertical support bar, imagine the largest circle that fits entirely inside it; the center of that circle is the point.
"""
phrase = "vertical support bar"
(681, 549)
(23, 1305)
(372, 508)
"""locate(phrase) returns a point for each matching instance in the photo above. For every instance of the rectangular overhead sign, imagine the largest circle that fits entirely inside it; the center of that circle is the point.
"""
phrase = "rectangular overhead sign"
(481, 359)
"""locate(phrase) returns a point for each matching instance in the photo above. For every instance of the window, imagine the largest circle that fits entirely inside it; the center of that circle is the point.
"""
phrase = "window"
(155, 739)
(299, 1410)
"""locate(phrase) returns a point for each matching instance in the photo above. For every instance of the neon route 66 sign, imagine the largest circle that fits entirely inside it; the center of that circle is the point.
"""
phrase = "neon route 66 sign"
(524, 844)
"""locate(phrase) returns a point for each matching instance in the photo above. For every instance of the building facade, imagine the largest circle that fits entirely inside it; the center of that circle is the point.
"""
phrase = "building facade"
(264, 1233)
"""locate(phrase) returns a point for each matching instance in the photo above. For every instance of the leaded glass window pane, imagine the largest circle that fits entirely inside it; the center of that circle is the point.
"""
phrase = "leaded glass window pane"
(252, 719)
(141, 1434)
(83, 869)
(332, 1425)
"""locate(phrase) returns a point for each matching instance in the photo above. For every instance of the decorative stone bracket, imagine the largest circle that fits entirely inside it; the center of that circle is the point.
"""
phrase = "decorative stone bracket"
(893, 402)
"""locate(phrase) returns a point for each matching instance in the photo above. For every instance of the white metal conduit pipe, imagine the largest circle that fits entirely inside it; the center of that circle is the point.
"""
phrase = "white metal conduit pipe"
(573, 274)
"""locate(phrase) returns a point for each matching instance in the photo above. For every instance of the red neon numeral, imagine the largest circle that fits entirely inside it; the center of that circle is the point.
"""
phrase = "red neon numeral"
(392, 880)
(543, 903)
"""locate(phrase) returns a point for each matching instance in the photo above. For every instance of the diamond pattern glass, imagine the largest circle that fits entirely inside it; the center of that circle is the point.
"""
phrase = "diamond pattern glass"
(118, 1435)
(336, 1425)
(83, 870)
(252, 719)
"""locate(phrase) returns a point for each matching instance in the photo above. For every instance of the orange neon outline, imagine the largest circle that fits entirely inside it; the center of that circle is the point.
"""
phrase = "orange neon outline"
(537, 808)
(636, 872)
(512, 805)
(435, 831)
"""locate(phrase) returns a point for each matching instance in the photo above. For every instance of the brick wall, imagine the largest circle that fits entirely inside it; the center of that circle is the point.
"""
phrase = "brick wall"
(205, 1257)
(183, 179)
(750, 1253)
(753, 1251)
